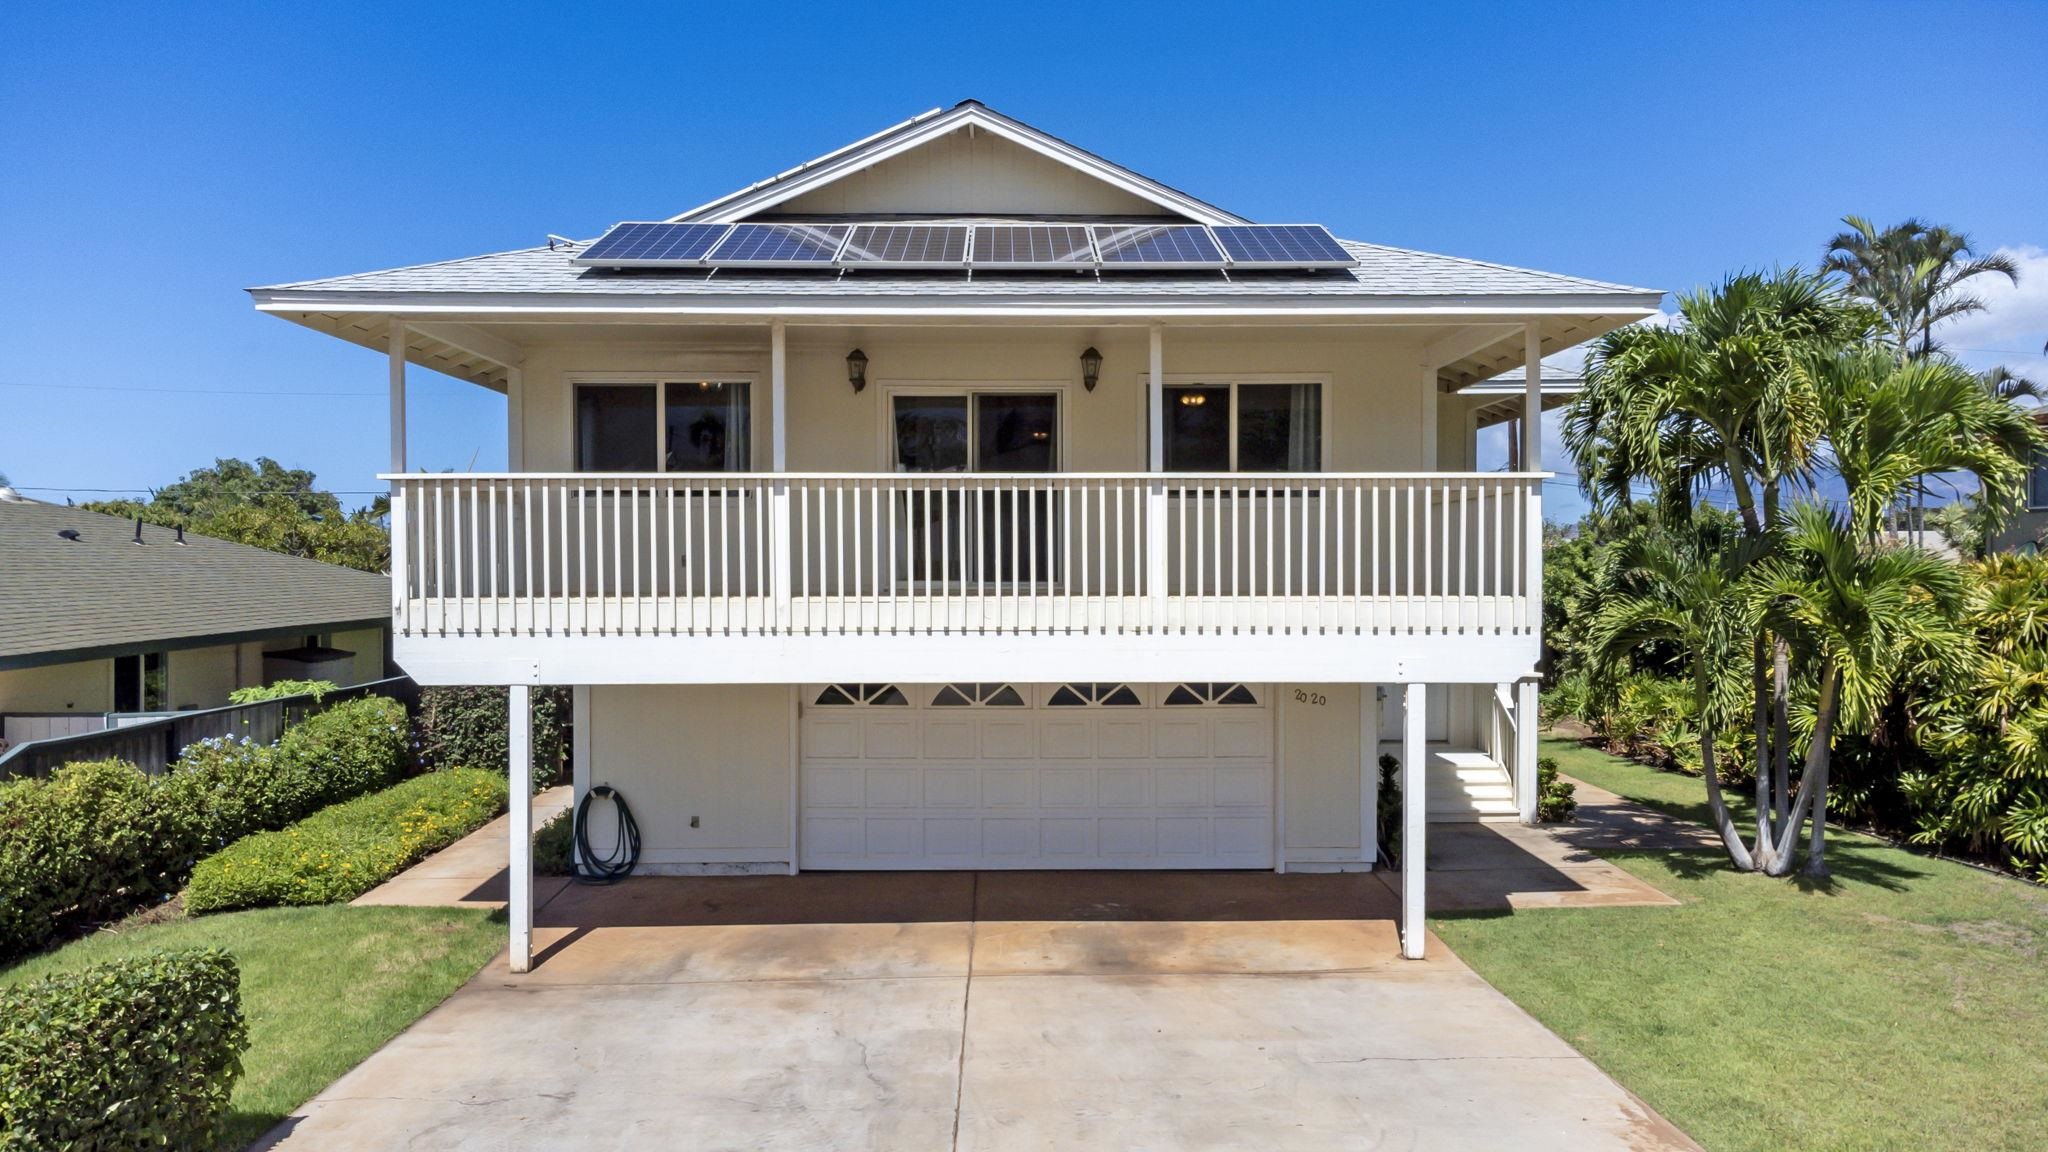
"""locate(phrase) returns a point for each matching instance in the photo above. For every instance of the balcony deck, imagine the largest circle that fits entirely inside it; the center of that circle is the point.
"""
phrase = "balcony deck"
(773, 578)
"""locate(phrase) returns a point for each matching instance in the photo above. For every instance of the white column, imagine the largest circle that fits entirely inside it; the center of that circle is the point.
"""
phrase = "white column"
(778, 456)
(519, 802)
(579, 751)
(1430, 397)
(1525, 750)
(397, 395)
(1368, 773)
(515, 420)
(1155, 497)
(1414, 816)
(1532, 399)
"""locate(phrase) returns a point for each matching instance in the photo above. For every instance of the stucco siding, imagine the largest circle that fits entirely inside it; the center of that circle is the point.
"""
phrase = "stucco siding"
(201, 677)
(970, 173)
(85, 686)
(720, 754)
(1373, 399)
(368, 645)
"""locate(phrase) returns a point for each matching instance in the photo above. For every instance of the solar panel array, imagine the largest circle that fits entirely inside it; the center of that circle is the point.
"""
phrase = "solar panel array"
(996, 247)
(1158, 246)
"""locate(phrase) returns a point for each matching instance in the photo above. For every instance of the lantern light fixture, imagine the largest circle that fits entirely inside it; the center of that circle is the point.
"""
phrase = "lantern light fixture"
(857, 369)
(1091, 368)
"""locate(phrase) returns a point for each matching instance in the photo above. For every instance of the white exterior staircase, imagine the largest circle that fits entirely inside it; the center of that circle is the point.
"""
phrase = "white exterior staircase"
(1468, 786)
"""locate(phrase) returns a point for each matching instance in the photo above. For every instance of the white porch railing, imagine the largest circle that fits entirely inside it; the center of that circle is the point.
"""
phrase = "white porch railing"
(533, 554)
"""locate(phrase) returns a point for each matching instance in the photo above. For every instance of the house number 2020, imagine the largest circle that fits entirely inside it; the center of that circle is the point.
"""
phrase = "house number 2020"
(1304, 697)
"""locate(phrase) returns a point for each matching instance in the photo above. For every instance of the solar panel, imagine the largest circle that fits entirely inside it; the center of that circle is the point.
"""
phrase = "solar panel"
(651, 245)
(1157, 246)
(1032, 246)
(906, 245)
(1282, 246)
(779, 245)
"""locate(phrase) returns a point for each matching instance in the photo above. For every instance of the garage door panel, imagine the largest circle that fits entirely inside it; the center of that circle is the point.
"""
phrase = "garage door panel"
(1009, 738)
(895, 738)
(1009, 787)
(1180, 737)
(952, 739)
(1066, 787)
(952, 787)
(1000, 786)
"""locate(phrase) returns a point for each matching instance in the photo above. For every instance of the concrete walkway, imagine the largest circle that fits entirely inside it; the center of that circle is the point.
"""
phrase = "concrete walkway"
(471, 873)
(998, 1011)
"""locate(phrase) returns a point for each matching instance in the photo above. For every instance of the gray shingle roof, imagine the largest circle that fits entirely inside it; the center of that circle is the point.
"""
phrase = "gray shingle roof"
(103, 591)
(1382, 272)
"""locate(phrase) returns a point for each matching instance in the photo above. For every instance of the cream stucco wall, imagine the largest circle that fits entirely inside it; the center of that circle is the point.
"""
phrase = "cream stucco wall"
(970, 171)
(721, 754)
(86, 686)
(368, 645)
(1373, 399)
(202, 677)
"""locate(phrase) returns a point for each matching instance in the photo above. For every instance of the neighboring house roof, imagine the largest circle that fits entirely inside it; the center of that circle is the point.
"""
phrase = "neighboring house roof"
(104, 595)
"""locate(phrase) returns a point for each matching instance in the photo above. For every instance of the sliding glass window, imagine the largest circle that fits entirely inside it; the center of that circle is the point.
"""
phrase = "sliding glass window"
(1244, 427)
(703, 426)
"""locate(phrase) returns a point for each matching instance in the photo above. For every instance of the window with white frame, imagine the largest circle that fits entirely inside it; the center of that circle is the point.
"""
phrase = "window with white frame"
(2037, 482)
(1244, 427)
(669, 426)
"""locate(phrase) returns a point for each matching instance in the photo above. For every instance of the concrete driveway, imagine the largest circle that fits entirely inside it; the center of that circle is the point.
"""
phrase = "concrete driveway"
(978, 1011)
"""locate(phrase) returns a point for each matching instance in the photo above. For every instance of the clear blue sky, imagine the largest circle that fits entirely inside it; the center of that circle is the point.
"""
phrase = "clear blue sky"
(157, 159)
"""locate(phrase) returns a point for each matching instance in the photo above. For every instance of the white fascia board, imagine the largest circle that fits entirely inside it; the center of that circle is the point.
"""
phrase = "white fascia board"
(915, 134)
(914, 309)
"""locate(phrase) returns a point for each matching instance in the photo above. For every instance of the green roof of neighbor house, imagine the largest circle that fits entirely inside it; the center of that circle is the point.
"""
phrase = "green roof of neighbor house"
(98, 593)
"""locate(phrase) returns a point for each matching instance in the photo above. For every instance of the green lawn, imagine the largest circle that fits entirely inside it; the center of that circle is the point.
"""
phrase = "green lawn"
(322, 987)
(1904, 1004)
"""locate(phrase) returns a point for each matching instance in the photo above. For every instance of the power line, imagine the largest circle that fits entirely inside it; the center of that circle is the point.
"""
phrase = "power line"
(178, 391)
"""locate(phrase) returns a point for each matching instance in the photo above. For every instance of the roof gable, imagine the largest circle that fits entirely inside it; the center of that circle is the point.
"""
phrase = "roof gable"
(967, 160)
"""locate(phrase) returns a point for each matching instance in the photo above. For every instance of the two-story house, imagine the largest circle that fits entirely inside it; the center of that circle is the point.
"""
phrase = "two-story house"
(961, 499)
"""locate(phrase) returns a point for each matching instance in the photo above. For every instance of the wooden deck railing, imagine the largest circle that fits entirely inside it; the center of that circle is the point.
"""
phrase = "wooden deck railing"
(1010, 554)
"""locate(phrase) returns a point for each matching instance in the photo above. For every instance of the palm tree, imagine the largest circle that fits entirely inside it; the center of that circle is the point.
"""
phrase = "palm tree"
(1892, 424)
(1723, 398)
(1914, 273)
(1866, 614)
(1691, 588)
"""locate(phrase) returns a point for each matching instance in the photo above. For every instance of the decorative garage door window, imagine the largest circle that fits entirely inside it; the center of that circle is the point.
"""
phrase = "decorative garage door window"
(1199, 694)
(873, 695)
(1084, 695)
(977, 695)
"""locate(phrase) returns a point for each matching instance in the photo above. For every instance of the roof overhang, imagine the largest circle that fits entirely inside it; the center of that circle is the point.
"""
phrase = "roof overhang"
(922, 129)
(44, 658)
(1504, 396)
(453, 349)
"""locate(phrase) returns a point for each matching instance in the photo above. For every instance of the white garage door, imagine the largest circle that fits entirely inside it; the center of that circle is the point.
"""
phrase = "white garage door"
(1036, 776)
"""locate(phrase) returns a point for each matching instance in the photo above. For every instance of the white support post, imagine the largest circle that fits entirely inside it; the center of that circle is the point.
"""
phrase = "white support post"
(1532, 398)
(1525, 750)
(400, 560)
(1414, 819)
(1368, 773)
(579, 752)
(1430, 398)
(519, 801)
(515, 420)
(1155, 494)
(778, 455)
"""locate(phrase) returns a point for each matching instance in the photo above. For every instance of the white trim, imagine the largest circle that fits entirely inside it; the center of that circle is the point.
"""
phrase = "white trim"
(1277, 700)
(515, 419)
(579, 750)
(1525, 749)
(920, 659)
(796, 776)
(1623, 308)
(397, 393)
(1369, 773)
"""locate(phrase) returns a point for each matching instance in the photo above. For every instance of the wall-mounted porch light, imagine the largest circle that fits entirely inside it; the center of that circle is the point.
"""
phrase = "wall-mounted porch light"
(857, 369)
(1091, 368)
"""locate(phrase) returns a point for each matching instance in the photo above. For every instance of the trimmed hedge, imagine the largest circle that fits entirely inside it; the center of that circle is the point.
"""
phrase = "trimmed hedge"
(343, 851)
(99, 839)
(553, 845)
(1556, 800)
(465, 727)
(137, 1053)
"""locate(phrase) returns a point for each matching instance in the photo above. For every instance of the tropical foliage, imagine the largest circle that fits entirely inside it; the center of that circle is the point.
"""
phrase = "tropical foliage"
(1737, 646)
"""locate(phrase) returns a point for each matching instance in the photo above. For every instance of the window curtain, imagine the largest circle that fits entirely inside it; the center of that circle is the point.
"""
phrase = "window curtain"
(1305, 428)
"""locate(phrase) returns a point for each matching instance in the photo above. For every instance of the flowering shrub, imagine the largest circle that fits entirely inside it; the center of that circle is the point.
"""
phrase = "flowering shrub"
(343, 851)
